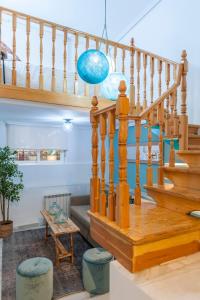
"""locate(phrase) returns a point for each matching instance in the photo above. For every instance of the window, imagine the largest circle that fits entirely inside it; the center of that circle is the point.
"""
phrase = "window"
(40, 156)
(51, 155)
(26, 155)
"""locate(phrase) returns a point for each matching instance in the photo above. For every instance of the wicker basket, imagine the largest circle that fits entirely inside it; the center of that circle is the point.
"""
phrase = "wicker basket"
(6, 229)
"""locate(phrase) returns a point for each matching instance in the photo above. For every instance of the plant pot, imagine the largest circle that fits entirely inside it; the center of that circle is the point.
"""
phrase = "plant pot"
(6, 229)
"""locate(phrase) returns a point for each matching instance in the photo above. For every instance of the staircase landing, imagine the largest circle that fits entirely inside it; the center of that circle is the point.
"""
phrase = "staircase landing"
(156, 235)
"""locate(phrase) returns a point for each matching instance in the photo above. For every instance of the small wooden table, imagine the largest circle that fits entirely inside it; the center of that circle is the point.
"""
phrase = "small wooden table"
(58, 230)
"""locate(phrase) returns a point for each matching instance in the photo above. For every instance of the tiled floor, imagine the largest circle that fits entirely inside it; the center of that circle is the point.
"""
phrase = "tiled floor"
(84, 296)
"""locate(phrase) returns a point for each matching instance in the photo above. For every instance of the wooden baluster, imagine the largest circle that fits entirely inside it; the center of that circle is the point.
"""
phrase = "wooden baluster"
(65, 62)
(115, 59)
(111, 196)
(159, 77)
(41, 79)
(137, 200)
(138, 83)
(96, 86)
(86, 85)
(75, 62)
(122, 110)
(176, 119)
(172, 101)
(172, 154)
(1, 73)
(14, 72)
(103, 118)
(183, 117)
(132, 86)
(53, 79)
(145, 81)
(94, 181)
(161, 161)
(152, 78)
(149, 164)
(28, 77)
(123, 60)
(167, 79)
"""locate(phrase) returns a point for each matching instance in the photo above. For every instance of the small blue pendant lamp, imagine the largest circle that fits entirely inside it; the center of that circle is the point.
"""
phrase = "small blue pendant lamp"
(93, 66)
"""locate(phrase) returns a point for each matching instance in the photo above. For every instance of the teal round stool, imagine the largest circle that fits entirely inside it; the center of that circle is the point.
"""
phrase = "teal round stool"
(34, 279)
(96, 271)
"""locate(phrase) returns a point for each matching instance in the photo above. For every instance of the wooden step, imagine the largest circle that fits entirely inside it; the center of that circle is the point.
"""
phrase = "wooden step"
(191, 157)
(183, 177)
(193, 129)
(182, 200)
(194, 139)
(193, 147)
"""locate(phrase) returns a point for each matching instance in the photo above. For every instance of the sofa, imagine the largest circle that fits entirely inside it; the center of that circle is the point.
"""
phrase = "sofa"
(79, 206)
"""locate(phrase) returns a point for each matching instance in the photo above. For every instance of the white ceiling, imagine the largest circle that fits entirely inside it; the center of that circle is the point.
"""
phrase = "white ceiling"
(85, 15)
(12, 111)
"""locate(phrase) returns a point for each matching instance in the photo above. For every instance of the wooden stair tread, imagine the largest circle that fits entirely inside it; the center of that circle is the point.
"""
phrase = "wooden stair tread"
(194, 125)
(194, 136)
(194, 147)
(182, 169)
(189, 194)
(196, 152)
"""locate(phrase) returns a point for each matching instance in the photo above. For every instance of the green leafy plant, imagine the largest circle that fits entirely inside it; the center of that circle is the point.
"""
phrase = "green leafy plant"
(11, 181)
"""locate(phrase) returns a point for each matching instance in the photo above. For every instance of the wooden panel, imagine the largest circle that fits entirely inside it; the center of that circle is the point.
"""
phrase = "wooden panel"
(151, 259)
(47, 97)
(120, 247)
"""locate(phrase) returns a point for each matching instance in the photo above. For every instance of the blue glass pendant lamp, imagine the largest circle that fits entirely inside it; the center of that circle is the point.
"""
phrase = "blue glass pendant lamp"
(93, 66)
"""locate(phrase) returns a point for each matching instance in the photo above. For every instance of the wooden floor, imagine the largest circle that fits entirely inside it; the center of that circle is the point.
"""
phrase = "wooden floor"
(156, 234)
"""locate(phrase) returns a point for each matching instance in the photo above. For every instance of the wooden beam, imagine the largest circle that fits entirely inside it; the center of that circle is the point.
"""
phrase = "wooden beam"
(48, 97)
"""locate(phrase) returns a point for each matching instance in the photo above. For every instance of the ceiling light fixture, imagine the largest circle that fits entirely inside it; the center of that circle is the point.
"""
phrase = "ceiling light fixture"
(68, 124)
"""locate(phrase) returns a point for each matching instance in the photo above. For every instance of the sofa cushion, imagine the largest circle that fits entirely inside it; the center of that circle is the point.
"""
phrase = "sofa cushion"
(80, 213)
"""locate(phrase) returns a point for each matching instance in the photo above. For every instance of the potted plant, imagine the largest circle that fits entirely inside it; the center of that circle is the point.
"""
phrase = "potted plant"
(10, 187)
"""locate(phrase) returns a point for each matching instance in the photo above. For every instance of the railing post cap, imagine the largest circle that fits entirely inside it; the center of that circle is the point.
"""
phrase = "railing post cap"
(122, 87)
(184, 54)
(94, 101)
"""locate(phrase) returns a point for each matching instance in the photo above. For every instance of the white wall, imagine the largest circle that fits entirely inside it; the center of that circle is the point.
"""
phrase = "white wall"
(42, 179)
(3, 134)
(171, 27)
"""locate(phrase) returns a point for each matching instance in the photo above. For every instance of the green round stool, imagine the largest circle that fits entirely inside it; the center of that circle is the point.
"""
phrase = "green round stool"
(96, 271)
(34, 279)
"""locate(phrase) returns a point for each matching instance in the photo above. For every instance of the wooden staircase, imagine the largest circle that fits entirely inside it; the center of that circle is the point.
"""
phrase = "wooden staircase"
(194, 137)
(183, 194)
(145, 234)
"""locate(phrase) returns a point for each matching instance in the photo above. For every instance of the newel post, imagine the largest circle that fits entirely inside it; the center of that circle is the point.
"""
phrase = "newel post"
(183, 117)
(94, 181)
(122, 110)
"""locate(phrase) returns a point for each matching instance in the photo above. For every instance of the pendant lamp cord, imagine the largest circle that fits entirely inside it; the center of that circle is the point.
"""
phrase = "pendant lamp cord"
(105, 21)
(105, 30)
